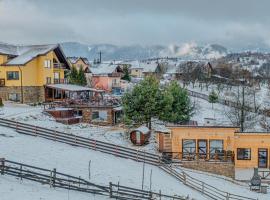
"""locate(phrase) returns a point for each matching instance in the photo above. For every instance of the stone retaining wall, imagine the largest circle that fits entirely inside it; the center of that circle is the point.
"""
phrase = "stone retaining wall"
(220, 168)
(31, 94)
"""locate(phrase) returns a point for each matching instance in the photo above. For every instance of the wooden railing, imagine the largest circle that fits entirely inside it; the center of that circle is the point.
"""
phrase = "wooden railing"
(59, 65)
(120, 151)
(123, 152)
(60, 81)
(56, 179)
(206, 189)
(217, 156)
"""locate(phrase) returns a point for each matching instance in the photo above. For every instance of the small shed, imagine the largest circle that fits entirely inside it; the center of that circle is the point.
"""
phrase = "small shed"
(140, 136)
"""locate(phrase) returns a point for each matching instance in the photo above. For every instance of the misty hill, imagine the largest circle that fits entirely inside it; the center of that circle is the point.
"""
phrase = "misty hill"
(113, 52)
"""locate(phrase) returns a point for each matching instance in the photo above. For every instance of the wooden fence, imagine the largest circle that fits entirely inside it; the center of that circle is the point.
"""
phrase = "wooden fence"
(56, 179)
(123, 152)
(227, 102)
(204, 188)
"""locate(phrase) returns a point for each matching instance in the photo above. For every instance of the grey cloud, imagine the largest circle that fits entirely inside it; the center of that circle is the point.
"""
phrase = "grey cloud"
(230, 22)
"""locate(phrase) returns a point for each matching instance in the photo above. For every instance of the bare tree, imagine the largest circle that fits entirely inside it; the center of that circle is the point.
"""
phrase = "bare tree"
(240, 112)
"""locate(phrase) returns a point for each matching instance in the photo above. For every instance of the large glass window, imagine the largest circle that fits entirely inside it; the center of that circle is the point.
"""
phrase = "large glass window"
(13, 75)
(215, 146)
(243, 154)
(189, 147)
(262, 158)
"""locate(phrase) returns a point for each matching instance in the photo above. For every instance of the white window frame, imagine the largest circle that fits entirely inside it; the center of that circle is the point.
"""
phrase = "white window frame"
(47, 63)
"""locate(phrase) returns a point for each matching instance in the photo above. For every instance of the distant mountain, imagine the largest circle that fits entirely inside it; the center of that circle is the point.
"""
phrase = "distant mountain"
(113, 52)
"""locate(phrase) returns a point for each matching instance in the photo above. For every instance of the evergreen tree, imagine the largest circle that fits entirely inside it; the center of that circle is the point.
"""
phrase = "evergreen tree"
(141, 104)
(175, 104)
(73, 75)
(126, 73)
(213, 98)
(81, 79)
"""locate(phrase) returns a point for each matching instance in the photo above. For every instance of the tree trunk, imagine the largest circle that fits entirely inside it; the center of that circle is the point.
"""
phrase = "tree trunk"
(242, 119)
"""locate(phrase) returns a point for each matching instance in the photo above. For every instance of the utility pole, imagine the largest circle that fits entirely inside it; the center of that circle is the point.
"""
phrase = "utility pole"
(21, 76)
(100, 53)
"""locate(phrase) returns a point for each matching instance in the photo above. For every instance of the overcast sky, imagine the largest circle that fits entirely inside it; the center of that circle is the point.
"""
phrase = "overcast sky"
(232, 23)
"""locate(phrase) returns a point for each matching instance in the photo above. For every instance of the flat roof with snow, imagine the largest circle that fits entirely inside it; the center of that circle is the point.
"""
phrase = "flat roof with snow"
(72, 88)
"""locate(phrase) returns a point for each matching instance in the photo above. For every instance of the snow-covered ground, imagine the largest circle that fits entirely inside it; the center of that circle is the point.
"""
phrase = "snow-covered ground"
(13, 189)
(229, 92)
(104, 168)
(74, 160)
(35, 115)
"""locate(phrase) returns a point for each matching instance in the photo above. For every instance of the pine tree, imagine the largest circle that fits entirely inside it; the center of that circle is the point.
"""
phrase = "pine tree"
(81, 79)
(141, 104)
(126, 73)
(213, 98)
(73, 76)
(175, 104)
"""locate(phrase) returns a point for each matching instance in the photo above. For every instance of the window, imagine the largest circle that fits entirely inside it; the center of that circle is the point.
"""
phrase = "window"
(243, 154)
(95, 115)
(13, 75)
(14, 97)
(100, 115)
(48, 80)
(216, 146)
(189, 147)
(47, 63)
(262, 158)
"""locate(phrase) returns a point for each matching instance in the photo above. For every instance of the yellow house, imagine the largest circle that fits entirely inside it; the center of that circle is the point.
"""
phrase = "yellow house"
(216, 143)
(25, 70)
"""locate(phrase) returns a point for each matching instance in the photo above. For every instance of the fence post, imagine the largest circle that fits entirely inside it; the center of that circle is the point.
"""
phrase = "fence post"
(54, 177)
(203, 187)
(227, 196)
(160, 194)
(36, 130)
(95, 145)
(2, 166)
(21, 172)
(110, 189)
(79, 181)
(184, 177)
(54, 135)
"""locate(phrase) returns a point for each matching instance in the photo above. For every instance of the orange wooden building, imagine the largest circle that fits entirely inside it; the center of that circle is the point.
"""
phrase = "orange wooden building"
(216, 143)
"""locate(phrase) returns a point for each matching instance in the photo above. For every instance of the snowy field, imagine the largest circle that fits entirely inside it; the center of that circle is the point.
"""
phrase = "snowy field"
(35, 115)
(74, 160)
(226, 92)
(11, 189)
(104, 168)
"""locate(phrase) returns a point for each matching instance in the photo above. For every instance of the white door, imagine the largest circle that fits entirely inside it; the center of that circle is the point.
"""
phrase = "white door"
(138, 137)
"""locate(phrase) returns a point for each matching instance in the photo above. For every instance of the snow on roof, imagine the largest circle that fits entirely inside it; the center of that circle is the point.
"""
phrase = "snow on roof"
(134, 64)
(73, 60)
(103, 68)
(149, 67)
(24, 54)
(8, 49)
(73, 88)
(142, 129)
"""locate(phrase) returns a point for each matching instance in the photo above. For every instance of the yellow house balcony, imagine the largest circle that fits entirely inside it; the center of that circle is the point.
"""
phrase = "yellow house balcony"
(59, 66)
(60, 81)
